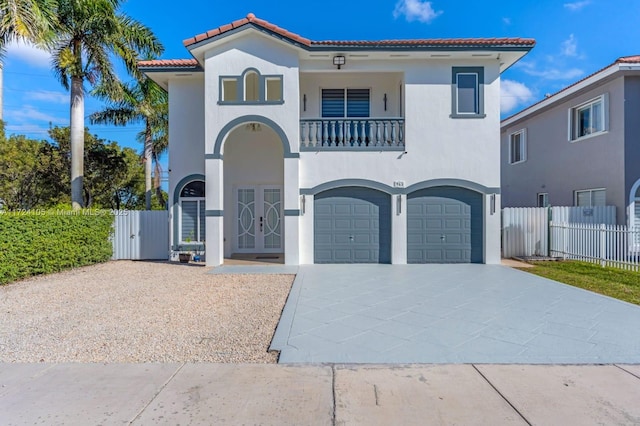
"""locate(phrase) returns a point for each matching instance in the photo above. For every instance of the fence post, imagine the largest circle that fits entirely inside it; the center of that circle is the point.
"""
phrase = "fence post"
(603, 238)
(565, 238)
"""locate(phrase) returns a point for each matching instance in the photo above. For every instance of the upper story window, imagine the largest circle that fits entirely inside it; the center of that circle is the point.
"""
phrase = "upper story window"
(588, 119)
(518, 147)
(590, 197)
(467, 92)
(251, 88)
(345, 103)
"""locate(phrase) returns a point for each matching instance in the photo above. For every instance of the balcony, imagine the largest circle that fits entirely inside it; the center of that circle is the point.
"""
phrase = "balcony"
(352, 134)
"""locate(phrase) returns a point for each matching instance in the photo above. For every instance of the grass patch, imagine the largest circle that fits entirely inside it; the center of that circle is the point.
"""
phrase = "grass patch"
(618, 283)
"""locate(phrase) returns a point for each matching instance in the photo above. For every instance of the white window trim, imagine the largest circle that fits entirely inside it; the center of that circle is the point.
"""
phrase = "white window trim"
(572, 119)
(546, 196)
(523, 142)
(575, 195)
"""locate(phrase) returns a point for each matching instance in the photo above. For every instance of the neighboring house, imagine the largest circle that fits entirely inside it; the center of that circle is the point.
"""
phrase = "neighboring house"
(580, 146)
(335, 151)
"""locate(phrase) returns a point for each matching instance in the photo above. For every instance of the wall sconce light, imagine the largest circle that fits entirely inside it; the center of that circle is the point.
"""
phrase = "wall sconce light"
(493, 203)
(339, 61)
(399, 205)
(303, 201)
(385, 101)
(304, 102)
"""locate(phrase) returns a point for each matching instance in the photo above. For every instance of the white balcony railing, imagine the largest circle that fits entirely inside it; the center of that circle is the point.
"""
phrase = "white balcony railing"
(352, 134)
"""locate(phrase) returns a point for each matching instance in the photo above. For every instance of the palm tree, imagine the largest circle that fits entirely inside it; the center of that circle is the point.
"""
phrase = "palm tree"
(142, 101)
(89, 34)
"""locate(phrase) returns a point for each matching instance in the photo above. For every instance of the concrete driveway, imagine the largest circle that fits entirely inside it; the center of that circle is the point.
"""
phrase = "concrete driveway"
(450, 314)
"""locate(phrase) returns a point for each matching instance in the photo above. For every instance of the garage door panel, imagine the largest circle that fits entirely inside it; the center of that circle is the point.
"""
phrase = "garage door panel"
(360, 226)
(449, 212)
(340, 223)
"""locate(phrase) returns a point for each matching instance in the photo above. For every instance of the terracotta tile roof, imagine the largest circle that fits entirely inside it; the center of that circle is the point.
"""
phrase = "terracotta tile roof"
(251, 18)
(439, 42)
(169, 63)
(622, 60)
(461, 42)
(628, 60)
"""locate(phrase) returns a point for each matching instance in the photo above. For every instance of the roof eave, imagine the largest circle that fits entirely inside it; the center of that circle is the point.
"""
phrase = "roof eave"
(565, 93)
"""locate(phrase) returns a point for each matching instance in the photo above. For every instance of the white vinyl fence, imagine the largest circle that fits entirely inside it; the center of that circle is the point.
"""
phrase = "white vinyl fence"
(525, 230)
(141, 235)
(608, 245)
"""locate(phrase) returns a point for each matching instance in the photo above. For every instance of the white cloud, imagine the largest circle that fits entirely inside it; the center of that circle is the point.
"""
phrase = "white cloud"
(551, 73)
(48, 96)
(577, 5)
(29, 53)
(506, 21)
(570, 47)
(416, 10)
(29, 114)
(513, 94)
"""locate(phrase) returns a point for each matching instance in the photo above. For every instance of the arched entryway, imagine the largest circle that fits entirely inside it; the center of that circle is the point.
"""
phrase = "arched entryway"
(253, 185)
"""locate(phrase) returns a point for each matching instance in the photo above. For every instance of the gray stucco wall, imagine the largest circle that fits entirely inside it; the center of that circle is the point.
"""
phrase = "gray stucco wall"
(632, 132)
(559, 167)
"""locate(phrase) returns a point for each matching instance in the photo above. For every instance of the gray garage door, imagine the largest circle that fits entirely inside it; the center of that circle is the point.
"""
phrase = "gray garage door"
(444, 225)
(352, 225)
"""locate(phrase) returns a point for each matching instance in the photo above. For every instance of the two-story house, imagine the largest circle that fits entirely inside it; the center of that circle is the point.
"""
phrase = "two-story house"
(335, 151)
(579, 146)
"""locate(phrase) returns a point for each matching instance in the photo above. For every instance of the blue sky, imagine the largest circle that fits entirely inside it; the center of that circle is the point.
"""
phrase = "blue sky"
(574, 39)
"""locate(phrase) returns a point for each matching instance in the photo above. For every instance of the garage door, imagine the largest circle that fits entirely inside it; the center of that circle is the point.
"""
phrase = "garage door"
(444, 225)
(352, 225)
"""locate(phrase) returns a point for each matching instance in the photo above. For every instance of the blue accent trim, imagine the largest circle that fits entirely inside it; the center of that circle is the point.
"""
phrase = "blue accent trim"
(214, 213)
(364, 183)
(176, 199)
(212, 157)
(292, 212)
(454, 91)
(217, 147)
(371, 148)
(460, 183)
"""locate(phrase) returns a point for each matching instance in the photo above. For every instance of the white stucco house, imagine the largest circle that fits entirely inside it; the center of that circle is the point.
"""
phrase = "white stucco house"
(335, 151)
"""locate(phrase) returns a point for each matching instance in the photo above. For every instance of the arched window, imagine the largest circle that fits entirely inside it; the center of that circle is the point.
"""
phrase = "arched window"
(251, 86)
(192, 212)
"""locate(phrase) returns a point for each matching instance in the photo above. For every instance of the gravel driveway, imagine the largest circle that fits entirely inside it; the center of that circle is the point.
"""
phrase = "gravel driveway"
(124, 311)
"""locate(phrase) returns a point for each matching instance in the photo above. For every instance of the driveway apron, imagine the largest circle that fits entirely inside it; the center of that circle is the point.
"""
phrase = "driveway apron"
(450, 314)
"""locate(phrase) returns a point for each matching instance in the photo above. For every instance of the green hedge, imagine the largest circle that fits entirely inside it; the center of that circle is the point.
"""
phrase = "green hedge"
(41, 242)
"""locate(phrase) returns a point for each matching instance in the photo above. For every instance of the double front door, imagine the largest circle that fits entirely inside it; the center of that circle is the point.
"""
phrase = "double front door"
(259, 219)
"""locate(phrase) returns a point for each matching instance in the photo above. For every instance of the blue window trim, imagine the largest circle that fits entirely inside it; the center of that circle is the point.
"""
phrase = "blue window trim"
(479, 71)
(262, 83)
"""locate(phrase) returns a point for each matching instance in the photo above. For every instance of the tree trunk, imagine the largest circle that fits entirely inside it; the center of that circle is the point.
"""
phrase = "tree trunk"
(148, 148)
(157, 184)
(77, 142)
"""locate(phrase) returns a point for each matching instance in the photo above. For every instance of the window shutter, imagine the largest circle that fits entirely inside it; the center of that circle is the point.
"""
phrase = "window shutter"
(357, 102)
(202, 216)
(189, 220)
(333, 102)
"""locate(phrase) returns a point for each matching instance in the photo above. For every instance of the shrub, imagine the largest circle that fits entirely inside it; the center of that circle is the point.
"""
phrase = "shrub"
(37, 242)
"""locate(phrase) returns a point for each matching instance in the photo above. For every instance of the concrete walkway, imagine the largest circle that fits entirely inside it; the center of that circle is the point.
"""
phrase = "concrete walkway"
(450, 314)
(205, 394)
